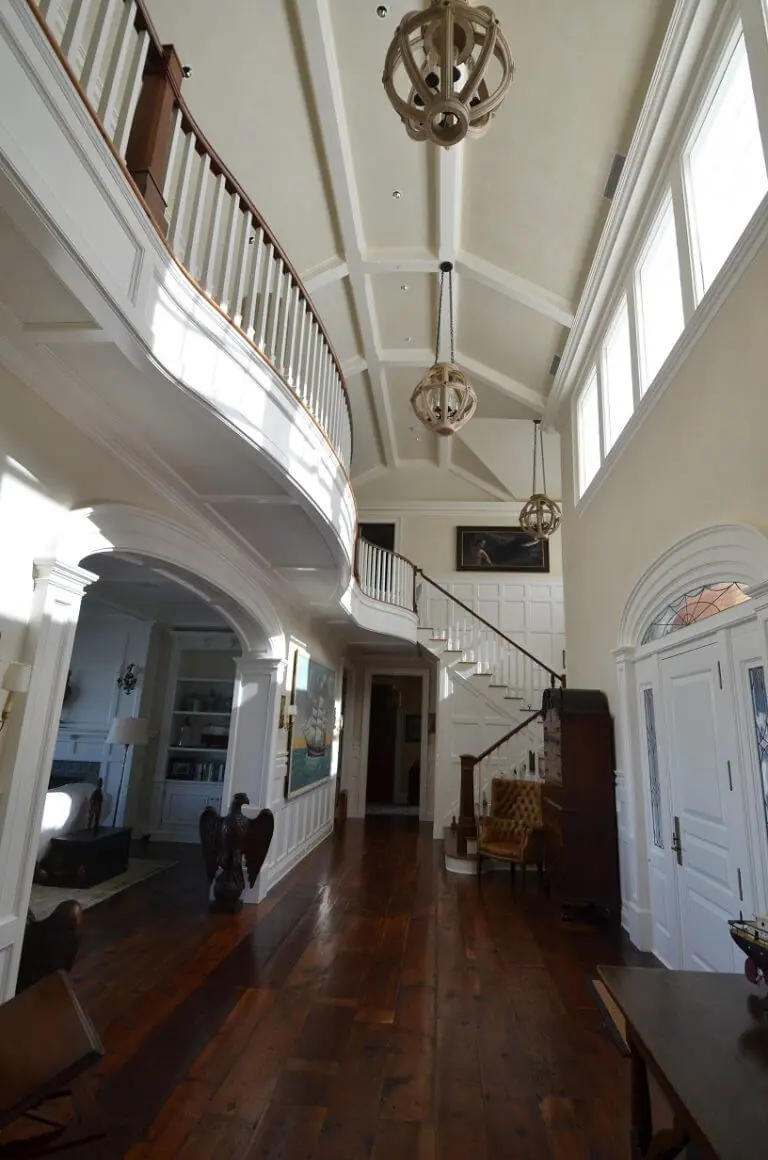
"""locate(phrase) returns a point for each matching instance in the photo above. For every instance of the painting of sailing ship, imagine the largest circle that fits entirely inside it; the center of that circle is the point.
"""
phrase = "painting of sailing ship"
(312, 732)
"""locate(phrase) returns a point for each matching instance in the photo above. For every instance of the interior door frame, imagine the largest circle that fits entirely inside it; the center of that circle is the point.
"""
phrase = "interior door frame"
(426, 781)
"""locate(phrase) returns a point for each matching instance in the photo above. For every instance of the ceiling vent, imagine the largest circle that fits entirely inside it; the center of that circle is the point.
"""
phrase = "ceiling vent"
(554, 364)
(613, 177)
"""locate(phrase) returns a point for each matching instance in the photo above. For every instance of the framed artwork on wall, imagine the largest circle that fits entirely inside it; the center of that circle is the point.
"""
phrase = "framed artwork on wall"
(510, 549)
(311, 736)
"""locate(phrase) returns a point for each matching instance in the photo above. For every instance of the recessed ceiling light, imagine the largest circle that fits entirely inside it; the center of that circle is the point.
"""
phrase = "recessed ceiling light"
(396, 194)
(408, 338)
(403, 285)
(382, 11)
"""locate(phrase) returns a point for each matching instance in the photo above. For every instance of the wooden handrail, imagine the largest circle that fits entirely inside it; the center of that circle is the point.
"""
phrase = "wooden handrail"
(557, 676)
(507, 737)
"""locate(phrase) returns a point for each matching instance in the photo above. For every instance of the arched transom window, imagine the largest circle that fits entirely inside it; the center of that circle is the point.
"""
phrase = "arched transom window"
(695, 605)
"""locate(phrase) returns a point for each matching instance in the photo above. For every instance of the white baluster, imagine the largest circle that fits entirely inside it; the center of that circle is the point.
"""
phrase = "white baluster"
(94, 57)
(132, 90)
(198, 215)
(181, 193)
(110, 89)
(299, 378)
(286, 324)
(265, 294)
(177, 139)
(254, 298)
(232, 228)
(314, 382)
(211, 255)
(277, 297)
(296, 309)
(74, 29)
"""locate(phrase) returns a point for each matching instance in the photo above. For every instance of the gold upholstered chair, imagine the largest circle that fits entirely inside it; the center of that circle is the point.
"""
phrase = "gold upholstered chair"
(513, 830)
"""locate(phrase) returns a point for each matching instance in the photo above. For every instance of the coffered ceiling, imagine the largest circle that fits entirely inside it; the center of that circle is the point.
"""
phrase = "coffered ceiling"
(289, 93)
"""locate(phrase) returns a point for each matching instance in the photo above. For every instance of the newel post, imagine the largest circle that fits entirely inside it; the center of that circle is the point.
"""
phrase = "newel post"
(467, 823)
(149, 144)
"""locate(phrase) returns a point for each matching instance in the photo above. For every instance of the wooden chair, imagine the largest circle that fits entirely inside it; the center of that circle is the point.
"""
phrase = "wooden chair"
(50, 944)
(513, 831)
(46, 1043)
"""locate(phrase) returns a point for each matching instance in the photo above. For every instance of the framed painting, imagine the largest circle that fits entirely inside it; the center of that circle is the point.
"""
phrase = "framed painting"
(311, 737)
(500, 550)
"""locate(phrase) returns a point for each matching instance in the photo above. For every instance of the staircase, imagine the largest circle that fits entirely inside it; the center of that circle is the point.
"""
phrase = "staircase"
(479, 660)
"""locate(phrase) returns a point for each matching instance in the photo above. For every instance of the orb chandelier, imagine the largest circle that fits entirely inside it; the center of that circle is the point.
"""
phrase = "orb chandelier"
(444, 400)
(447, 71)
(540, 516)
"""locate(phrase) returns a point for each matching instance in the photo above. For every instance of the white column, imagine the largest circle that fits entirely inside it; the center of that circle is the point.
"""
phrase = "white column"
(630, 808)
(32, 730)
(252, 743)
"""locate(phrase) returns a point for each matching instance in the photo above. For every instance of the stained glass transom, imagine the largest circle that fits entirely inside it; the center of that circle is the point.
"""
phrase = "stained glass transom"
(760, 713)
(653, 767)
(695, 605)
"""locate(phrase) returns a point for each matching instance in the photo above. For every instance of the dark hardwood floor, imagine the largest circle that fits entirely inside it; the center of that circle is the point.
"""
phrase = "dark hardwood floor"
(372, 1007)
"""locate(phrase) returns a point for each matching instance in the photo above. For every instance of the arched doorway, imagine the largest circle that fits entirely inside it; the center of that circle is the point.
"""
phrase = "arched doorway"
(690, 793)
(207, 564)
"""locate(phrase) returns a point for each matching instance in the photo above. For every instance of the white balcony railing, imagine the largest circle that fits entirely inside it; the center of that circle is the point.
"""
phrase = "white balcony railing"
(385, 576)
(131, 82)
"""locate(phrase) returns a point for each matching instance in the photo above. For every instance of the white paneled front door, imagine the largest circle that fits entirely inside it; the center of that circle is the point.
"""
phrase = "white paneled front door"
(708, 834)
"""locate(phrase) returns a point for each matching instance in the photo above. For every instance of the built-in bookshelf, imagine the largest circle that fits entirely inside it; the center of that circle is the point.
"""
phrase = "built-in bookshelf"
(192, 755)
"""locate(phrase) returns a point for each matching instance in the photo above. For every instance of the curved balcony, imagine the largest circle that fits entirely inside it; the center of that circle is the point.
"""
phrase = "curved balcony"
(132, 84)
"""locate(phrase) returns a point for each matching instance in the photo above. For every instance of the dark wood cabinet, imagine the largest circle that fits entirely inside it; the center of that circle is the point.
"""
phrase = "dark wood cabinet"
(578, 799)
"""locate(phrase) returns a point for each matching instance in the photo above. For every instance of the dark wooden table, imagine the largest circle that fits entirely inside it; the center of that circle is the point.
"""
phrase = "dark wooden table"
(706, 1044)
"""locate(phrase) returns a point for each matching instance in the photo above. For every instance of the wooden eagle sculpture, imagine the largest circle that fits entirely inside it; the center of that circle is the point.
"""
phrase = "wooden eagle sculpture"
(226, 841)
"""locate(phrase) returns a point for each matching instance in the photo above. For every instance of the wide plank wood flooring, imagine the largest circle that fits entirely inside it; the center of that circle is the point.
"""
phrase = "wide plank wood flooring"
(372, 1008)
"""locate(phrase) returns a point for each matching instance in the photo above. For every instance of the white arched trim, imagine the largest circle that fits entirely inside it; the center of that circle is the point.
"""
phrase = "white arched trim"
(725, 552)
(206, 555)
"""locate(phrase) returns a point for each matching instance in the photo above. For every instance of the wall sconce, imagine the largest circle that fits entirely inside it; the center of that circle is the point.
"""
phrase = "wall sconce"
(290, 710)
(128, 681)
(15, 680)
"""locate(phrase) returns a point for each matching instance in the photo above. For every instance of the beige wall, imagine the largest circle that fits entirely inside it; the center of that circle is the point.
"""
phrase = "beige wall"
(428, 538)
(698, 459)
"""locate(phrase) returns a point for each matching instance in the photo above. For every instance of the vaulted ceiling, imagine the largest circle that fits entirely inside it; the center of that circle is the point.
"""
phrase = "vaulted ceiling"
(289, 93)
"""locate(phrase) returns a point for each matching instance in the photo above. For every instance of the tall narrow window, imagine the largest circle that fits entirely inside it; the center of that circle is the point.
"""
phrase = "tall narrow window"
(726, 175)
(760, 714)
(653, 767)
(588, 434)
(659, 297)
(617, 381)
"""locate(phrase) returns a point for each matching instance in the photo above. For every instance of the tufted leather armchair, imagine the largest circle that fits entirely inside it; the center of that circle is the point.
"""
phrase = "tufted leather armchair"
(513, 831)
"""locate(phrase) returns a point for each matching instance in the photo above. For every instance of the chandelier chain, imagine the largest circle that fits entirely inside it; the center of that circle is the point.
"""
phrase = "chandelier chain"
(450, 306)
(439, 318)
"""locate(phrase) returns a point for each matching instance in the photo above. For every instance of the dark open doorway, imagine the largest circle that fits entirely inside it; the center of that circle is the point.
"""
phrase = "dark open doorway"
(382, 535)
(394, 745)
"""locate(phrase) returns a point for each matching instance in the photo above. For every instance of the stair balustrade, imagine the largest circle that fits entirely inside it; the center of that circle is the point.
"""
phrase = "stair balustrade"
(385, 576)
(131, 83)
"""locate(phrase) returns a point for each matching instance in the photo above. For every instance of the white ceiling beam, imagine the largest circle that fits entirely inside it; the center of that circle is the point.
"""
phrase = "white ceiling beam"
(65, 332)
(394, 261)
(443, 451)
(420, 357)
(325, 74)
(513, 286)
(490, 489)
(354, 366)
(326, 274)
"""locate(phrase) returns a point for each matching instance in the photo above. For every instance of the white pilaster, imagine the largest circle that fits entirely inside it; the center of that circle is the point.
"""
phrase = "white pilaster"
(630, 807)
(253, 737)
(33, 726)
